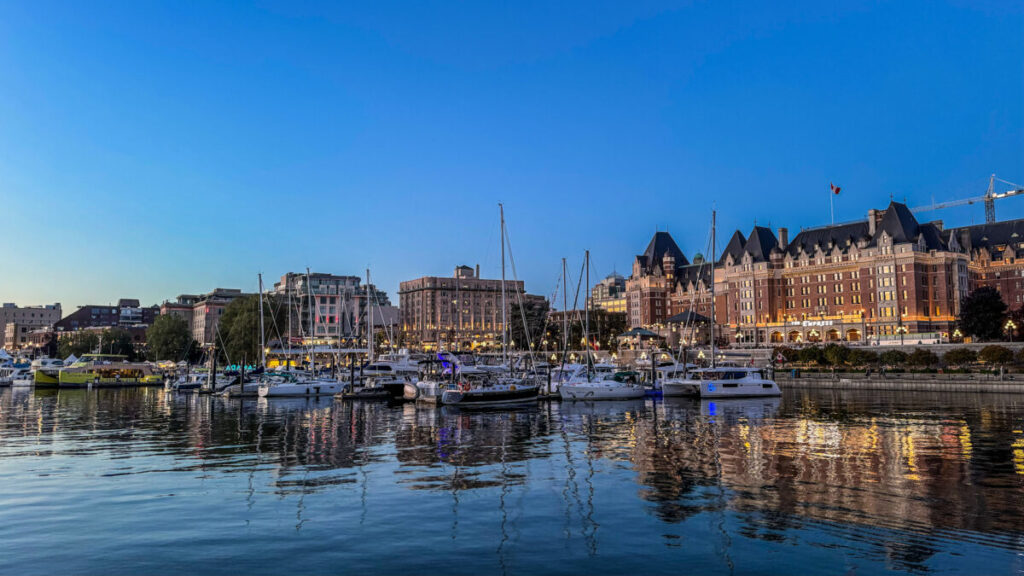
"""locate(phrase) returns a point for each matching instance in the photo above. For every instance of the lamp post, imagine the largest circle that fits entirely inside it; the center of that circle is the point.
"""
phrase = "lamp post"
(902, 331)
(1010, 327)
(957, 334)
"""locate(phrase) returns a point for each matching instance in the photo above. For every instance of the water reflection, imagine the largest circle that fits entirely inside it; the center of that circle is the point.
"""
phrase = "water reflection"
(892, 479)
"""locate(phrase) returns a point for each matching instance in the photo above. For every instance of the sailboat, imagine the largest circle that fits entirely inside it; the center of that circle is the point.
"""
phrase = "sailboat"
(285, 384)
(609, 386)
(721, 381)
(488, 387)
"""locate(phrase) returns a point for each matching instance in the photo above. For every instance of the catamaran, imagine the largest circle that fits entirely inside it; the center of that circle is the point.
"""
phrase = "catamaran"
(720, 381)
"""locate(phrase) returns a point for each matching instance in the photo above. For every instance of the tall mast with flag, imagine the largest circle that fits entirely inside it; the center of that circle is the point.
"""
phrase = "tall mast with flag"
(831, 206)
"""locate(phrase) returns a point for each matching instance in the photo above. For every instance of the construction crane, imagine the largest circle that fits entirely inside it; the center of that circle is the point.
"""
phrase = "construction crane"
(989, 199)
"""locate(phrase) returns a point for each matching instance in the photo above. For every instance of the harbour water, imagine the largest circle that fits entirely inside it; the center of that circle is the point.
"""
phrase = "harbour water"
(833, 482)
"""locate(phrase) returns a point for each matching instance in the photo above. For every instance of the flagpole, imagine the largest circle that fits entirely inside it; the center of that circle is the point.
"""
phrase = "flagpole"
(831, 204)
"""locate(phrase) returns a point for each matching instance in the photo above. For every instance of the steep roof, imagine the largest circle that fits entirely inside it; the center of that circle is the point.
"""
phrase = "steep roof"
(823, 236)
(734, 248)
(660, 245)
(899, 223)
(761, 243)
(995, 237)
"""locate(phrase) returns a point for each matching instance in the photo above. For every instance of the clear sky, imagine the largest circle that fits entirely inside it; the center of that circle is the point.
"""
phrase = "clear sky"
(149, 149)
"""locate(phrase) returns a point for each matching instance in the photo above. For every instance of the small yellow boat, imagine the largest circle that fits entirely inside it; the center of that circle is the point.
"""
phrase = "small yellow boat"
(107, 370)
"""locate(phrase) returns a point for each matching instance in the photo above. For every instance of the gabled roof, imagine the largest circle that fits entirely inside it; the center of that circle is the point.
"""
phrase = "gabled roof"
(734, 248)
(761, 243)
(899, 223)
(660, 245)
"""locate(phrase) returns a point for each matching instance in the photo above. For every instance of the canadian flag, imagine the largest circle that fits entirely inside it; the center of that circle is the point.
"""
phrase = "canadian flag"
(835, 189)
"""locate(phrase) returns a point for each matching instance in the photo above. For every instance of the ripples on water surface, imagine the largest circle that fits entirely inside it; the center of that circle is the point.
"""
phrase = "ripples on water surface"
(139, 481)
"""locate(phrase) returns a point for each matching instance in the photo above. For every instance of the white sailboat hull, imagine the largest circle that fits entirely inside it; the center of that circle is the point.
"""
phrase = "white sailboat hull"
(311, 388)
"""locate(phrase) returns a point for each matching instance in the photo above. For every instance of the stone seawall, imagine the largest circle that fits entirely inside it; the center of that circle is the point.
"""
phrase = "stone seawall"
(895, 383)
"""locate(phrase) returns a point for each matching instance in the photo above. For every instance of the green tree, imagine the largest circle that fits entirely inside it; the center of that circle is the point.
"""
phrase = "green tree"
(862, 357)
(995, 354)
(835, 355)
(922, 357)
(983, 314)
(893, 357)
(77, 343)
(169, 339)
(960, 357)
(535, 311)
(239, 327)
(117, 341)
(811, 355)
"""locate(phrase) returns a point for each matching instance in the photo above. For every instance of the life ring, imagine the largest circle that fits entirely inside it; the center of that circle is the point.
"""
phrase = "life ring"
(512, 387)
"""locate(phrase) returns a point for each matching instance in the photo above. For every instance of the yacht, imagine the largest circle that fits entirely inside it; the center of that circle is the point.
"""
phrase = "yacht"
(616, 386)
(11, 373)
(723, 382)
(291, 386)
(22, 379)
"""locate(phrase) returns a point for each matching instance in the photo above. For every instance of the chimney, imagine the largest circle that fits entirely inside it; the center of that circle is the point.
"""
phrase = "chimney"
(477, 270)
(872, 221)
(783, 238)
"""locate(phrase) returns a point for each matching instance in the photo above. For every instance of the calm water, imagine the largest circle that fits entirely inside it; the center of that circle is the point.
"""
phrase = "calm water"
(139, 481)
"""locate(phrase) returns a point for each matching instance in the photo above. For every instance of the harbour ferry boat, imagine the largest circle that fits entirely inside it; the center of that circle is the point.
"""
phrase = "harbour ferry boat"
(723, 382)
(46, 371)
(107, 370)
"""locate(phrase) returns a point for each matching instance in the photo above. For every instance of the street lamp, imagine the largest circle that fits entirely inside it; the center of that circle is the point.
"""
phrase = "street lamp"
(957, 334)
(902, 330)
(1010, 327)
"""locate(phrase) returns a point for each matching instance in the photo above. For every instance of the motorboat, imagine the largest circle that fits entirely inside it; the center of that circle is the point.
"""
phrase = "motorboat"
(723, 382)
(11, 373)
(622, 385)
(293, 387)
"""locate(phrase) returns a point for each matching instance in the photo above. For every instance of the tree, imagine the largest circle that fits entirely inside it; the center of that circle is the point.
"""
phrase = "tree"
(117, 341)
(835, 355)
(922, 357)
(983, 314)
(960, 357)
(811, 355)
(77, 343)
(861, 357)
(169, 339)
(536, 312)
(893, 357)
(239, 326)
(995, 354)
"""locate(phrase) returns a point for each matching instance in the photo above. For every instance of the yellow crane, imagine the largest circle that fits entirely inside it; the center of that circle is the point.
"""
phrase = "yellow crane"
(989, 199)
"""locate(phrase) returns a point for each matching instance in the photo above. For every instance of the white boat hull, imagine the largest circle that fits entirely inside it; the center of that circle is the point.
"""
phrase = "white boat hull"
(600, 392)
(312, 388)
(680, 388)
(22, 382)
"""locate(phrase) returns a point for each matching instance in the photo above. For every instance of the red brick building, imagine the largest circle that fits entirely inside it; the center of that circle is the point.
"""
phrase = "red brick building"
(869, 279)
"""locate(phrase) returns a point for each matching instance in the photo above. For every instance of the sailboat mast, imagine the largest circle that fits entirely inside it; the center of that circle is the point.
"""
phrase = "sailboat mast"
(565, 308)
(312, 331)
(263, 334)
(369, 326)
(504, 306)
(713, 319)
(288, 289)
(586, 322)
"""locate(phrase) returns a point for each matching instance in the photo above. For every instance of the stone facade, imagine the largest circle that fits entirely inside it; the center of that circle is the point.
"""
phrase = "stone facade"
(462, 310)
(28, 317)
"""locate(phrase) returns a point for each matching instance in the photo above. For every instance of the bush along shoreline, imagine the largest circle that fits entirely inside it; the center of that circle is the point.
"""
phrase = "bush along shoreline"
(836, 358)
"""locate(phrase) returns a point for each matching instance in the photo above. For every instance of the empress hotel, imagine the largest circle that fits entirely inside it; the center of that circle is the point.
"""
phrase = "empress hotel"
(877, 279)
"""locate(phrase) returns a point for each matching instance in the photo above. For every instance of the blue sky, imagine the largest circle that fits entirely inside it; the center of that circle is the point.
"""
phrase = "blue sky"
(149, 149)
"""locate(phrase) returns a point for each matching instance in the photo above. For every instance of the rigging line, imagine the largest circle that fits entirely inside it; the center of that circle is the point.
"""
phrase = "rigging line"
(575, 301)
(519, 297)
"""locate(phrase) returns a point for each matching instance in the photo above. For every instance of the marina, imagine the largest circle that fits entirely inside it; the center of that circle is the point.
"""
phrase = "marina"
(828, 481)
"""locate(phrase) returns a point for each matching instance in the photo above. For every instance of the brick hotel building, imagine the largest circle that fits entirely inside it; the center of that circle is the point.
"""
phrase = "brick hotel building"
(872, 279)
